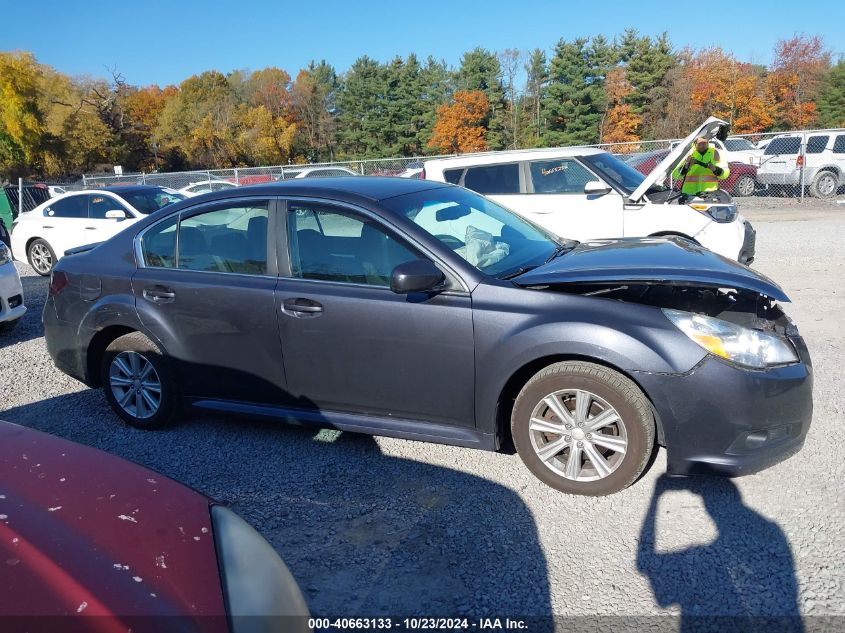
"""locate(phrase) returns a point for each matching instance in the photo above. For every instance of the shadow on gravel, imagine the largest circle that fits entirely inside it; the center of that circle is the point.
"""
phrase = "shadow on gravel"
(364, 533)
(748, 570)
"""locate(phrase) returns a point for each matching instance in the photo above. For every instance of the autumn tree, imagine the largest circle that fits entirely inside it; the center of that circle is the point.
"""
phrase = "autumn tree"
(21, 115)
(480, 70)
(460, 124)
(795, 78)
(313, 99)
(621, 122)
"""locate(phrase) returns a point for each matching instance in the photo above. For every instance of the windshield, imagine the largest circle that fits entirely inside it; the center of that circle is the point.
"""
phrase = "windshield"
(488, 236)
(738, 144)
(617, 172)
(151, 200)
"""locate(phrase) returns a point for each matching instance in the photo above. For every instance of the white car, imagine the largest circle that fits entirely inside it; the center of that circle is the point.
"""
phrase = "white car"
(41, 236)
(586, 193)
(206, 186)
(11, 291)
(823, 159)
(735, 149)
(317, 172)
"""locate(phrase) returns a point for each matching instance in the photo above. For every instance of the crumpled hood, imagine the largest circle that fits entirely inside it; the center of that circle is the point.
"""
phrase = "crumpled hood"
(652, 260)
(84, 532)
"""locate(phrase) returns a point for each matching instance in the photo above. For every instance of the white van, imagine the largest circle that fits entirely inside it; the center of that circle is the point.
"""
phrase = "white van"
(585, 193)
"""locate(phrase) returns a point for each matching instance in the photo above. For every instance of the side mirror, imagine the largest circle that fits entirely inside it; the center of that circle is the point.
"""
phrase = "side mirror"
(116, 214)
(419, 275)
(596, 188)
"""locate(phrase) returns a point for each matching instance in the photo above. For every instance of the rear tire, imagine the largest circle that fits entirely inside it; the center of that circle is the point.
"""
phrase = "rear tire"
(41, 257)
(583, 429)
(138, 382)
(824, 185)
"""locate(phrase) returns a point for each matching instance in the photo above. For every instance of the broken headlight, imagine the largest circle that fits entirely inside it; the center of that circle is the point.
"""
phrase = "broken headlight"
(722, 213)
(741, 345)
(5, 254)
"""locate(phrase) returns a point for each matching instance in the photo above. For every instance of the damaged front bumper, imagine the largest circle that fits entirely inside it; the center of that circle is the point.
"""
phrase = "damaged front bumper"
(722, 419)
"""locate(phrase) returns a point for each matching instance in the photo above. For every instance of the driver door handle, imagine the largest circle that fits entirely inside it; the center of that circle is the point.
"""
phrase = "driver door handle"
(301, 307)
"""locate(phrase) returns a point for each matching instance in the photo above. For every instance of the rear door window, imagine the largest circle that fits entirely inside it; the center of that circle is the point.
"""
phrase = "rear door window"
(784, 145)
(227, 240)
(71, 207)
(562, 175)
(816, 144)
(493, 179)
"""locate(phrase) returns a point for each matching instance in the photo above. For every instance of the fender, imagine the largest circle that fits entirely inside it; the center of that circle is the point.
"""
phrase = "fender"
(629, 337)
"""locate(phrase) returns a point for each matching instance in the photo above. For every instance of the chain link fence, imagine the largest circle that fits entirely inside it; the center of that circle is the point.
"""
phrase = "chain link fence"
(787, 165)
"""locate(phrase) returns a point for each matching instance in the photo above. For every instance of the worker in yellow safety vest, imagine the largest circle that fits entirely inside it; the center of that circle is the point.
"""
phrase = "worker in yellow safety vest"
(702, 170)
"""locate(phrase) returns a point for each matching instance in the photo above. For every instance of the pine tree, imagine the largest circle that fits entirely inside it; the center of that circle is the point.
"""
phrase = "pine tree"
(480, 70)
(575, 100)
(363, 110)
(831, 102)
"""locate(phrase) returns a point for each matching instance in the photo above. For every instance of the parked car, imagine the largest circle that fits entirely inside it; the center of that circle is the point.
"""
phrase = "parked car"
(84, 533)
(12, 307)
(586, 193)
(41, 236)
(737, 149)
(317, 172)
(741, 182)
(205, 186)
(56, 190)
(823, 161)
(425, 311)
(5, 236)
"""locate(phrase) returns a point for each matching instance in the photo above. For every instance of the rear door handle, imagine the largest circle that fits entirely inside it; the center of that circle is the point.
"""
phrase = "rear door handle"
(301, 307)
(159, 294)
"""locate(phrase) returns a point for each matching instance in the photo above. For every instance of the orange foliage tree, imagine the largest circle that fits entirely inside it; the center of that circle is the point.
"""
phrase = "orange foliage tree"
(730, 90)
(797, 71)
(620, 122)
(460, 125)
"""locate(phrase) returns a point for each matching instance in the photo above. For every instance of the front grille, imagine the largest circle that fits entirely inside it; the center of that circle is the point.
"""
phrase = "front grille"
(15, 301)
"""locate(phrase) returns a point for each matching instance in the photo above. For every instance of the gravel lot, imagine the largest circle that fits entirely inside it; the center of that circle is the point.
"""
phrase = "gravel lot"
(381, 526)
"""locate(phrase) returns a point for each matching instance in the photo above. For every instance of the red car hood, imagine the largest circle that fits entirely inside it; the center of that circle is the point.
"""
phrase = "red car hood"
(84, 532)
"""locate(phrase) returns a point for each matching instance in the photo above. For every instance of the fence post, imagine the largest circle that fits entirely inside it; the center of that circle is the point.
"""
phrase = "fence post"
(143, 178)
(237, 178)
(84, 183)
(20, 196)
(803, 161)
(208, 173)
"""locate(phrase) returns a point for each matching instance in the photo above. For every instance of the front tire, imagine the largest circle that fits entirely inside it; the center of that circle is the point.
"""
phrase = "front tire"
(582, 428)
(41, 257)
(138, 382)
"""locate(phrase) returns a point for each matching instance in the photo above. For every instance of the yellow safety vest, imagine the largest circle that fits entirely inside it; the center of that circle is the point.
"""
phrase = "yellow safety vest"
(700, 179)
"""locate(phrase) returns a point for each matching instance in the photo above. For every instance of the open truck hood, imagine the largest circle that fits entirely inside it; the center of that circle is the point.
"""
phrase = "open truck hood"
(711, 128)
(649, 261)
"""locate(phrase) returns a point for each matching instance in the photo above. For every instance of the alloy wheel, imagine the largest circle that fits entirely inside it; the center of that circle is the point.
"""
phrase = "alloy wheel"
(578, 435)
(135, 384)
(42, 260)
(827, 185)
(745, 186)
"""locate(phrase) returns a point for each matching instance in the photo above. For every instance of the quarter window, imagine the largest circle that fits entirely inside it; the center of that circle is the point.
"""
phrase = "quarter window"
(453, 176)
(493, 179)
(333, 245)
(70, 207)
(559, 176)
(229, 240)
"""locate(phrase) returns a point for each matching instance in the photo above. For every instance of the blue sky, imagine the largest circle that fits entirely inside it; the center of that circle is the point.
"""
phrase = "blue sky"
(151, 41)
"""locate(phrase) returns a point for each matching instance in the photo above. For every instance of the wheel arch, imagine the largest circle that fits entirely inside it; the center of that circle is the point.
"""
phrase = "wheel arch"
(519, 378)
(97, 347)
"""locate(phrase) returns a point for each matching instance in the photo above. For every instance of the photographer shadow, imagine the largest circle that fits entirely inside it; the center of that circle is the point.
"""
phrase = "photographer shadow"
(743, 581)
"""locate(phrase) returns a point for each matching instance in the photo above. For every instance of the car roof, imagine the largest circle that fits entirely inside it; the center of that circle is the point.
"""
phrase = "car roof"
(130, 189)
(373, 188)
(492, 158)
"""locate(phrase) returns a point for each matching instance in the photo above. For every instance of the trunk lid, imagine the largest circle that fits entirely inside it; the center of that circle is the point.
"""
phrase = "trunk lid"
(651, 261)
(711, 128)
